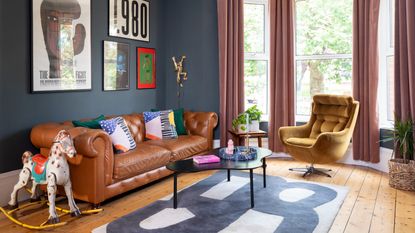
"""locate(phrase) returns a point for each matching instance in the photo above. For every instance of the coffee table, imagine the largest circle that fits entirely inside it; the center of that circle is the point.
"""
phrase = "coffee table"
(187, 166)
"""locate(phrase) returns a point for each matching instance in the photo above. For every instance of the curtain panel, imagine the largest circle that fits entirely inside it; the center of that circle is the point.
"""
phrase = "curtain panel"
(365, 79)
(231, 64)
(405, 59)
(281, 70)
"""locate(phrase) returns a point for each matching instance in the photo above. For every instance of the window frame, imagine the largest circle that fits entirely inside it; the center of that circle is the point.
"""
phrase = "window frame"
(297, 57)
(386, 49)
(265, 55)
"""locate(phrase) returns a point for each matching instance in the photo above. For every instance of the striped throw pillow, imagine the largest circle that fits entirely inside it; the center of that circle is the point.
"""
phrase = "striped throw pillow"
(119, 133)
(160, 125)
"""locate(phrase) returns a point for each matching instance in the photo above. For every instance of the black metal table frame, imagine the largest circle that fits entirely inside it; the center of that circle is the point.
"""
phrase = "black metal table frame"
(251, 182)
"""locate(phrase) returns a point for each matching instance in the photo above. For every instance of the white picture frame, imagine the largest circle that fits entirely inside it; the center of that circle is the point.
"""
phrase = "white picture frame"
(61, 45)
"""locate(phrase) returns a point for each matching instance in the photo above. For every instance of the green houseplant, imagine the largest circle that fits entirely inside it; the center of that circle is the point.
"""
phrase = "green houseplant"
(254, 117)
(240, 124)
(402, 170)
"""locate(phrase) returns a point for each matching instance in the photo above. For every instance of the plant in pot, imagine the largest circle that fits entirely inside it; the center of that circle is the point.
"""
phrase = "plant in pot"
(254, 118)
(402, 170)
(240, 124)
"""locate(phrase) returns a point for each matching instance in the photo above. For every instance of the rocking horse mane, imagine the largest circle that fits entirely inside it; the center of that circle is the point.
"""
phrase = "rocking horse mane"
(61, 135)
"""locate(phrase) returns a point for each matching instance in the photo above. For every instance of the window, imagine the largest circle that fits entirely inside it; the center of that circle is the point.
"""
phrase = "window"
(256, 50)
(386, 63)
(323, 50)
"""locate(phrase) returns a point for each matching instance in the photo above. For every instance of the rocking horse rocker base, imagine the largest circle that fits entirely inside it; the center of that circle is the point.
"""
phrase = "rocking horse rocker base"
(48, 223)
(52, 171)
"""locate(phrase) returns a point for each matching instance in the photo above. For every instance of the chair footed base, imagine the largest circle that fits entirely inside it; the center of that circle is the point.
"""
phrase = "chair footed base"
(312, 170)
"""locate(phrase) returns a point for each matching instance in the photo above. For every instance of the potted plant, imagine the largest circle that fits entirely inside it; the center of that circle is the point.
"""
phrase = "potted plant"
(402, 170)
(240, 124)
(254, 118)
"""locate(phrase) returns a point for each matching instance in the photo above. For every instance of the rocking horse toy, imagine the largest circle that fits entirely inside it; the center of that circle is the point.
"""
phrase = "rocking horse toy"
(52, 171)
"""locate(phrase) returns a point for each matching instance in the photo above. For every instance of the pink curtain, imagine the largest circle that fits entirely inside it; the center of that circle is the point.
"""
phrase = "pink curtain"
(405, 59)
(282, 70)
(365, 79)
(231, 63)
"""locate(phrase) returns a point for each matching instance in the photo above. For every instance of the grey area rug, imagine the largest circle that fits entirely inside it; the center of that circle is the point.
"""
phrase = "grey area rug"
(215, 205)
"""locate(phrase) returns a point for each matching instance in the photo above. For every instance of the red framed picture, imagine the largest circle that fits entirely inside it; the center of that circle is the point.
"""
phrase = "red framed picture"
(146, 68)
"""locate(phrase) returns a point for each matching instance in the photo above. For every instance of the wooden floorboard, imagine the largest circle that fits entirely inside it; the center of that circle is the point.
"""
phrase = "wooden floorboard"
(371, 205)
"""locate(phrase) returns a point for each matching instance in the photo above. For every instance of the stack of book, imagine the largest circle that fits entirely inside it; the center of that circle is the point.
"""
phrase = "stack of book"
(203, 159)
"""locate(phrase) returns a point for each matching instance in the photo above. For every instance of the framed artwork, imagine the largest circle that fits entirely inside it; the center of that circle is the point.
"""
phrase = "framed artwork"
(61, 45)
(129, 19)
(146, 68)
(116, 66)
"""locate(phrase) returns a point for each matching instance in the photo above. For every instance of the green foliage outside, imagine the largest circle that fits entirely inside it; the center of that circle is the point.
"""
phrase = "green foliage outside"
(322, 27)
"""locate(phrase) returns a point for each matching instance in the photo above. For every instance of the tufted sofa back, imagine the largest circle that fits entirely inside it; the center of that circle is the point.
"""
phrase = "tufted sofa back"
(331, 113)
(136, 125)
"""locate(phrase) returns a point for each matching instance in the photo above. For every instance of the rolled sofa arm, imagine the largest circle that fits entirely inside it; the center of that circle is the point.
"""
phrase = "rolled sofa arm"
(201, 124)
(85, 143)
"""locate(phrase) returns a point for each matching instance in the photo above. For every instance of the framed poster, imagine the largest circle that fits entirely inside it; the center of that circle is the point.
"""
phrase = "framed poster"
(116, 66)
(129, 19)
(146, 68)
(61, 45)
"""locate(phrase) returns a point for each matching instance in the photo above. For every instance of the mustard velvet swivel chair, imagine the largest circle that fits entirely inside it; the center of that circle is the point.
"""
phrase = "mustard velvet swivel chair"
(326, 137)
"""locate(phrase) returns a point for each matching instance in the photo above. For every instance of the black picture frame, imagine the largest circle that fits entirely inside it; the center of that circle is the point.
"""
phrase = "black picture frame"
(116, 66)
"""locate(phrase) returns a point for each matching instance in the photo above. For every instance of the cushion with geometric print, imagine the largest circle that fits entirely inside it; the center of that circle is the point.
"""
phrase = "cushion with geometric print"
(160, 125)
(119, 133)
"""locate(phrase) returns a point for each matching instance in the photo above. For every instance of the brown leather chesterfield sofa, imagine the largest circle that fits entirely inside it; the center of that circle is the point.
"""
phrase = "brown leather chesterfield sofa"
(98, 174)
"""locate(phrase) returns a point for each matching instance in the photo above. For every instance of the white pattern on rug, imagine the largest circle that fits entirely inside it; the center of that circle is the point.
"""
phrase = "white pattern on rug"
(295, 194)
(165, 218)
(225, 188)
(254, 221)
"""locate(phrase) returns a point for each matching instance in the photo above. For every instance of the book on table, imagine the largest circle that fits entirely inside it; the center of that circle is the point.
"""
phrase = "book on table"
(202, 159)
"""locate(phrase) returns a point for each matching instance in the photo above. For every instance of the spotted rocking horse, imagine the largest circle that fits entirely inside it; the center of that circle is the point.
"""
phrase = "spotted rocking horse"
(52, 171)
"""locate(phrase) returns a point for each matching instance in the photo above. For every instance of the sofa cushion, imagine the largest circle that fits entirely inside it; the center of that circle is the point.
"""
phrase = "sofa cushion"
(144, 158)
(91, 124)
(301, 141)
(182, 147)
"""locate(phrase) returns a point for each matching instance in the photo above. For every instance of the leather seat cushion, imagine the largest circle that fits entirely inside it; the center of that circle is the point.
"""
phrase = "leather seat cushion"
(301, 141)
(182, 147)
(143, 158)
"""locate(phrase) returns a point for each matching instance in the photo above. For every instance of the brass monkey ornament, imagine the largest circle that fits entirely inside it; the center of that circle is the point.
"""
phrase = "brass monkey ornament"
(180, 77)
(178, 67)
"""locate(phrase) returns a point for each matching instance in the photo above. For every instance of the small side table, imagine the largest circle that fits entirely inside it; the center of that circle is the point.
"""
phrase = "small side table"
(254, 134)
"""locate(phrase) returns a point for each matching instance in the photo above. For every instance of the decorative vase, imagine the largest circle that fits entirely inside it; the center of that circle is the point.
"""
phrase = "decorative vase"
(254, 126)
(402, 175)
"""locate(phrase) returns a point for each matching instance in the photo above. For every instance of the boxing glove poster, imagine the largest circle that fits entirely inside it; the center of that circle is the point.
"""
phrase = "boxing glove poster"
(61, 45)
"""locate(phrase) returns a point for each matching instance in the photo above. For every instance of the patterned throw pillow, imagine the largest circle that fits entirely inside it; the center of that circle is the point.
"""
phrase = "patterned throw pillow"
(160, 125)
(119, 133)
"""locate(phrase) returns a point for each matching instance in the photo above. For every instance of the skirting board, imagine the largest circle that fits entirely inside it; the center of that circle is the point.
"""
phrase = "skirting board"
(385, 155)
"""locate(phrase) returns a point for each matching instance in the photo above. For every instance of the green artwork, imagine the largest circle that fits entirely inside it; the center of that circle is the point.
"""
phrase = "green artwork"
(146, 69)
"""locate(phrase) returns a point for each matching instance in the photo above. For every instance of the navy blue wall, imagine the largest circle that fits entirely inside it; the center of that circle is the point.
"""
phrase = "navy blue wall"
(191, 29)
(20, 110)
(177, 27)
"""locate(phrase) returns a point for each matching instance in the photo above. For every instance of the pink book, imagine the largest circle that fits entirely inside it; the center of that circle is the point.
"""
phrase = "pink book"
(206, 159)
